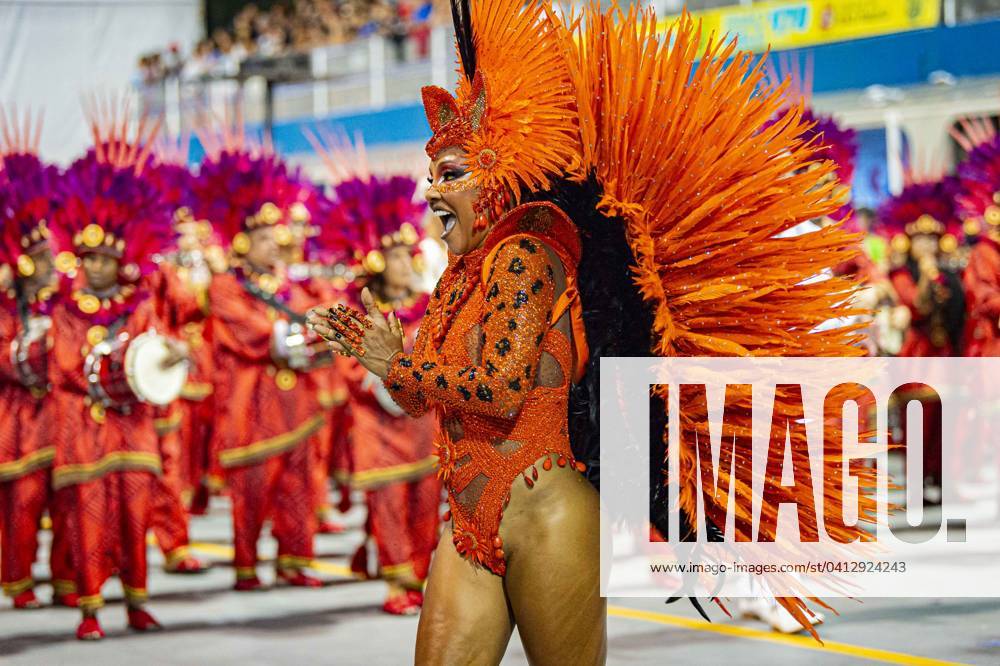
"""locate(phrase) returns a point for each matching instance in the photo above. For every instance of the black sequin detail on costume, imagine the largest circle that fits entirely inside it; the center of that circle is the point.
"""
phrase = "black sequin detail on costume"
(405, 362)
(441, 382)
(520, 299)
(484, 393)
(503, 346)
(516, 266)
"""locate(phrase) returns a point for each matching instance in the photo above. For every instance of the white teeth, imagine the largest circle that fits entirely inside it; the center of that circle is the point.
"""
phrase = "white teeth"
(441, 213)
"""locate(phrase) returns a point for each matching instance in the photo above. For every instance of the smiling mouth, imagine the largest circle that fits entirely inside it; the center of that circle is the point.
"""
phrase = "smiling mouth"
(448, 219)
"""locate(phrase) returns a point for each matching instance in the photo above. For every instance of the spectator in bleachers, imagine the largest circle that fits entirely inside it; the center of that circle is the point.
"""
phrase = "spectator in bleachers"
(302, 25)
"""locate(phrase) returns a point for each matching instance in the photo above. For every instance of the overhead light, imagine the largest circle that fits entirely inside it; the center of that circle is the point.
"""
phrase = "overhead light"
(939, 77)
(882, 95)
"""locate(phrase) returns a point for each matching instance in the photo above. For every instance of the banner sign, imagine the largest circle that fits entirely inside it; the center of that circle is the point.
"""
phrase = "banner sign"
(790, 25)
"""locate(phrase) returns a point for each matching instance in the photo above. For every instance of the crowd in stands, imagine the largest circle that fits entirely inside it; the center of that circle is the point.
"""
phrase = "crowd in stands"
(298, 26)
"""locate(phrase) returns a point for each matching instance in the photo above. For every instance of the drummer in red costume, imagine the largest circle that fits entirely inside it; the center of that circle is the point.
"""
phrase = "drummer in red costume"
(266, 403)
(391, 455)
(179, 296)
(107, 464)
(922, 224)
(304, 260)
(27, 421)
(978, 202)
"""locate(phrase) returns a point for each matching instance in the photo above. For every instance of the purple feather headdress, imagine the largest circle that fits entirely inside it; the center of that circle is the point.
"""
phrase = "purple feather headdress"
(106, 203)
(111, 210)
(978, 195)
(27, 194)
(370, 213)
(921, 208)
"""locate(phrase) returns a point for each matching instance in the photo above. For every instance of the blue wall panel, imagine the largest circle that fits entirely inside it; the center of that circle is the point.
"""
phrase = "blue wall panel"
(893, 60)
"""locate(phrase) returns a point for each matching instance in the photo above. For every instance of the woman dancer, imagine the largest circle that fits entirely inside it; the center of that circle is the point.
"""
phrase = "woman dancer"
(585, 161)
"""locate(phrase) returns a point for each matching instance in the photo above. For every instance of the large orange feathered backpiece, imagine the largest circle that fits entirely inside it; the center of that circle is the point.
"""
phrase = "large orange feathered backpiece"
(681, 151)
(669, 138)
(678, 150)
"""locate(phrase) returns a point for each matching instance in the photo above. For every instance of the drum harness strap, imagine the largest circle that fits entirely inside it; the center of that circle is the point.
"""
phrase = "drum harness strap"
(272, 300)
(18, 354)
(92, 366)
(301, 360)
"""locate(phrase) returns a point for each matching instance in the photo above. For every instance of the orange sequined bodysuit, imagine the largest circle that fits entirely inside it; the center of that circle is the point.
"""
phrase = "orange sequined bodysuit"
(489, 358)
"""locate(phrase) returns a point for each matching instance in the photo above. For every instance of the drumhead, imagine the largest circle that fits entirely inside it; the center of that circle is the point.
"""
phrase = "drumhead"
(148, 379)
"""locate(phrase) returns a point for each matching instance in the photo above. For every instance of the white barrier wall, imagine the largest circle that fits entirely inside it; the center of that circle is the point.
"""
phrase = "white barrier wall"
(52, 51)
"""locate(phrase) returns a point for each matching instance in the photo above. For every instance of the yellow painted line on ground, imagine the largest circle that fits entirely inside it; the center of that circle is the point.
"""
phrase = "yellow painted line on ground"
(801, 642)
(227, 552)
(735, 631)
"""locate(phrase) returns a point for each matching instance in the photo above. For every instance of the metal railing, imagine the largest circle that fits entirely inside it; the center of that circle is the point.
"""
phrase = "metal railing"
(361, 76)
(370, 74)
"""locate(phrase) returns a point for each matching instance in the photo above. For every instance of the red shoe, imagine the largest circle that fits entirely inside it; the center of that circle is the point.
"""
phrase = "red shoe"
(27, 601)
(400, 604)
(141, 620)
(199, 503)
(68, 600)
(89, 630)
(188, 565)
(331, 527)
(415, 597)
(248, 584)
(297, 578)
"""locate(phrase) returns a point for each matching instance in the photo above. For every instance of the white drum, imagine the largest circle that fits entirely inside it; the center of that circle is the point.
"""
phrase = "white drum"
(149, 380)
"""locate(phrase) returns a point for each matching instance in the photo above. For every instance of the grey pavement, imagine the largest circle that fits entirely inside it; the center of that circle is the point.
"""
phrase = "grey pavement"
(207, 623)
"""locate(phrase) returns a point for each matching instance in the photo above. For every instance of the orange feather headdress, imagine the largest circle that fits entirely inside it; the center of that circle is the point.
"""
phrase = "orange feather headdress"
(514, 112)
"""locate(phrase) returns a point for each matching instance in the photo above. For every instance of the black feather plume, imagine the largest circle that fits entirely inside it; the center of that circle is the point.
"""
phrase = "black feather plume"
(462, 18)
(618, 322)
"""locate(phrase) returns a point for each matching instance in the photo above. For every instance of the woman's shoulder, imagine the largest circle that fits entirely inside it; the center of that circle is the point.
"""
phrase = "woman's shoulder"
(541, 222)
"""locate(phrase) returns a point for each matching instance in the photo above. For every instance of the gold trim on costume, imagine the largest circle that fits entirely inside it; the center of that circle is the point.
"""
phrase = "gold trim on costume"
(214, 482)
(63, 587)
(272, 446)
(396, 570)
(15, 469)
(68, 475)
(246, 573)
(328, 399)
(376, 477)
(139, 594)
(176, 556)
(167, 424)
(293, 562)
(91, 602)
(196, 391)
(18, 586)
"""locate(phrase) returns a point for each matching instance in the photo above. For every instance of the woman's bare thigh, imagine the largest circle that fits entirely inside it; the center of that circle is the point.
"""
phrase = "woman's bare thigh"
(553, 573)
(465, 618)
